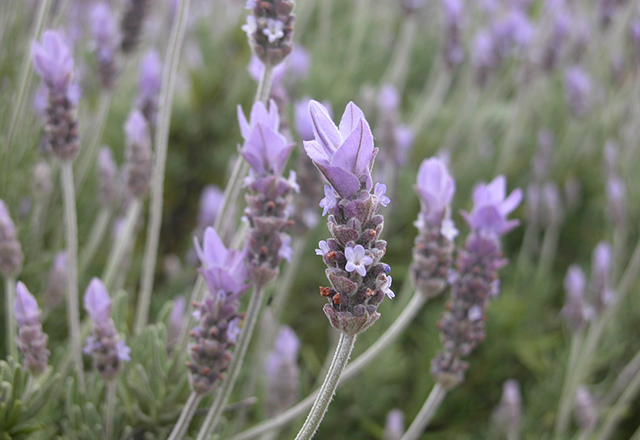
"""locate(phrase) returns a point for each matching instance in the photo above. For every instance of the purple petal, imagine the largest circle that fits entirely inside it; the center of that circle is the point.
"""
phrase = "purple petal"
(97, 302)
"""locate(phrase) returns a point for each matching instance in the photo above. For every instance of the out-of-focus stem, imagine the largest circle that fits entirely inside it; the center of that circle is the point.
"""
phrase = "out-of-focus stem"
(622, 381)
(264, 85)
(95, 238)
(88, 154)
(398, 67)
(547, 252)
(71, 229)
(213, 416)
(328, 389)
(390, 336)
(618, 410)
(117, 251)
(169, 75)
(9, 318)
(568, 386)
(185, 417)
(111, 406)
(420, 423)
(361, 13)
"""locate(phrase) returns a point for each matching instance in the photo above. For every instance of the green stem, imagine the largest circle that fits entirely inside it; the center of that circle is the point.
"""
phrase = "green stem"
(622, 381)
(10, 319)
(547, 252)
(185, 417)
(88, 155)
(398, 67)
(169, 75)
(213, 416)
(264, 86)
(124, 239)
(420, 423)
(390, 336)
(361, 13)
(111, 406)
(71, 223)
(328, 389)
(568, 388)
(95, 238)
(618, 410)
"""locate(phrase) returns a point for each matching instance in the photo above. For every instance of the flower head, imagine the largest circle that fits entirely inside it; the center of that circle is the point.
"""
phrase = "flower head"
(11, 256)
(150, 78)
(435, 186)
(53, 62)
(344, 154)
(357, 260)
(25, 308)
(491, 208)
(97, 302)
(259, 115)
(31, 340)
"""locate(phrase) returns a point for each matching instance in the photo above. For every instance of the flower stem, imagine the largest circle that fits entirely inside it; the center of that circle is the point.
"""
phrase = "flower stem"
(622, 381)
(111, 406)
(398, 67)
(420, 423)
(328, 389)
(213, 416)
(71, 223)
(117, 251)
(618, 410)
(88, 155)
(169, 75)
(264, 86)
(10, 319)
(396, 329)
(576, 345)
(185, 417)
(95, 238)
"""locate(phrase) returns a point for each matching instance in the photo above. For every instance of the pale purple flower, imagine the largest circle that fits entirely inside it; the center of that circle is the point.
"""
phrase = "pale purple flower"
(274, 30)
(344, 154)
(507, 417)
(25, 308)
(57, 283)
(404, 137)
(259, 115)
(282, 373)
(357, 260)
(286, 348)
(11, 256)
(575, 310)
(323, 248)
(103, 26)
(304, 124)
(97, 302)
(210, 201)
(286, 252)
(577, 85)
(31, 340)
(491, 208)
(394, 427)
(436, 187)
(380, 191)
(600, 285)
(138, 154)
(53, 61)
(616, 196)
(266, 149)
(388, 99)
(329, 201)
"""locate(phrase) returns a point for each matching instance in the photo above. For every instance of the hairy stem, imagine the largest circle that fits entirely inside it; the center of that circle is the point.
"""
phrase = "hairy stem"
(117, 251)
(71, 231)
(111, 406)
(264, 86)
(185, 417)
(213, 416)
(10, 319)
(169, 74)
(420, 423)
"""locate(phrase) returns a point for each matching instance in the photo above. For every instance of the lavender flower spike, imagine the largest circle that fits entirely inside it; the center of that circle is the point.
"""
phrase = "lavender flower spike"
(359, 281)
(575, 311)
(104, 344)
(11, 256)
(462, 326)
(394, 428)
(282, 373)
(433, 249)
(53, 62)
(139, 157)
(149, 84)
(31, 340)
(270, 29)
(103, 29)
(132, 23)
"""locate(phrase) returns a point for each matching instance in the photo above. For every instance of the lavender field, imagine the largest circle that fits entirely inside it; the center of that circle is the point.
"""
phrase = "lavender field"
(329, 219)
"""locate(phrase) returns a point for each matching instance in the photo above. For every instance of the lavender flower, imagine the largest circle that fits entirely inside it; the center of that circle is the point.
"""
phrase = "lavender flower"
(575, 311)
(149, 83)
(394, 428)
(11, 256)
(586, 409)
(507, 417)
(270, 29)
(485, 56)
(453, 13)
(215, 335)
(104, 345)
(57, 283)
(600, 285)
(53, 62)
(109, 180)
(359, 281)
(476, 279)
(561, 21)
(132, 23)
(577, 85)
(103, 28)
(269, 194)
(138, 154)
(282, 373)
(31, 340)
(433, 249)
(176, 321)
(210, 201)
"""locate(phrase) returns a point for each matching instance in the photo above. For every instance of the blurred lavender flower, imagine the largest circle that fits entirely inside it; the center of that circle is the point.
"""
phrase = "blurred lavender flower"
(132, 23)
(453, 17)
(558, 15)
(304, 124)
(57, 283)
(485, 56)
(512, 34)
(103, 28)
(294, 67)
(507, 417)
(176, 321)
(53, 62)
(282, 373)
(270, 29)
(11, 256)
(600, 286)
(433, 248)
(617, 200)
(215, 335)
(149, 83)
(577, 85)
(462, 326)
(575, 310)
(269, 195)
(109, 179)
(586, 410)
(394, 428)
(42, 186)
(31, 340)
(104, 345)
(552, 211)
(138, 154)
(345, 156)
(210, 201)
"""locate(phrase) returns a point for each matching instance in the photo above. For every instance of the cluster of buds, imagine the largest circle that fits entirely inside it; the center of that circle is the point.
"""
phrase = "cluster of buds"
(270, 29)
(11, 256)
(53, 62)
(453, 14)
(57, 283)
(575, 310)
(31, 340)
(138, 154)
(149, 83)
(462, 326)
(103, 29)
(215, 335)
(104, 345)
(282, 373)
(433, 249)
(359, 280)
(132, 23)
(269, 195)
